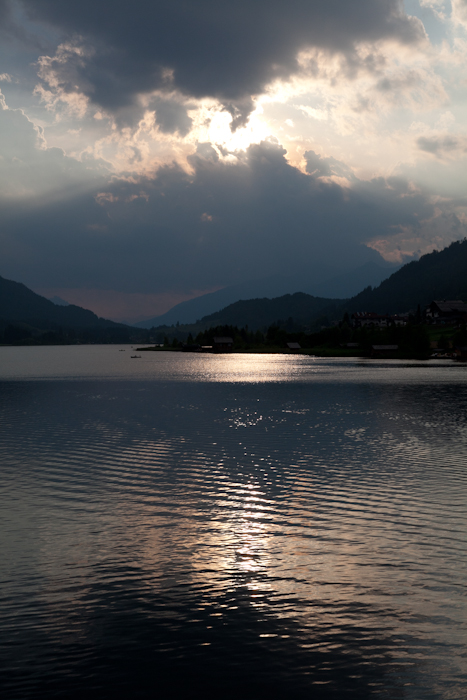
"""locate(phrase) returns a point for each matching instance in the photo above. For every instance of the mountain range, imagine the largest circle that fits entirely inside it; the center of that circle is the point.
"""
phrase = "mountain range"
(318, 282)
(438, 275)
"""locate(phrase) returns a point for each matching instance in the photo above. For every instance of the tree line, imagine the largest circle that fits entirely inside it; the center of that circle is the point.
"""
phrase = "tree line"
(412, 339)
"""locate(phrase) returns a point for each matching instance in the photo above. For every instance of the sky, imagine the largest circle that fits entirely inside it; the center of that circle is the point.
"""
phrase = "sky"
(153, 151)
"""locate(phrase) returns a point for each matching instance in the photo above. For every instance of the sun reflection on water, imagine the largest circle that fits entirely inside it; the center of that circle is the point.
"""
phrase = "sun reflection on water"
(332, 513)
(244, 367)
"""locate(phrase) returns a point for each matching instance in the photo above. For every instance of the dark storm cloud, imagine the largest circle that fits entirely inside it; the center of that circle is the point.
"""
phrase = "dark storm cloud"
(223, 223)
(171, 116)
(4, 11)
(227, 50)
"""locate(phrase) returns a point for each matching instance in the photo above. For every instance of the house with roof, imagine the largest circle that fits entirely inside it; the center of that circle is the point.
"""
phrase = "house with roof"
(222, 344)
(445, 311)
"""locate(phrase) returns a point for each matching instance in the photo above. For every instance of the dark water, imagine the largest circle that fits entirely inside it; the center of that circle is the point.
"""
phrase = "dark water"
(233, 527)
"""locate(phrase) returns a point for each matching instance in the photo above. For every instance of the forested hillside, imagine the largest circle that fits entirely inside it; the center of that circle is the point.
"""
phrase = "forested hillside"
(28, 318)
(18, 303)
(261, 313)
(438, 275)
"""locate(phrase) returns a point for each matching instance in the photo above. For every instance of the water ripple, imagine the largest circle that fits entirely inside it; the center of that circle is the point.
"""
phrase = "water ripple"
(205, 539)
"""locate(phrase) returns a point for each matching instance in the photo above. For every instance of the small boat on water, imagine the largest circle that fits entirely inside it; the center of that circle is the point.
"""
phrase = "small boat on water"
(135, 356)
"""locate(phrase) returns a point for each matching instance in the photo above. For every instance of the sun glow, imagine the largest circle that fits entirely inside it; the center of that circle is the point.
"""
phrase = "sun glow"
(218, 131)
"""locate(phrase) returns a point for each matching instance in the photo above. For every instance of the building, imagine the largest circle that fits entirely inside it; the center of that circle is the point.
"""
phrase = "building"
(447, 312)
(369, 318)
(374, 320)
(294, 346)
(400, 319)
(222, 344)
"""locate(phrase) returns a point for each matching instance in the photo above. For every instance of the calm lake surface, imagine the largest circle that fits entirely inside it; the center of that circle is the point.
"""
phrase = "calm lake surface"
(241, 526)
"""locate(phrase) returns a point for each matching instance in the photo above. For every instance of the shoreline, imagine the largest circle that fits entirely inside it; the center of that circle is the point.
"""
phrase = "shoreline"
(309, 352)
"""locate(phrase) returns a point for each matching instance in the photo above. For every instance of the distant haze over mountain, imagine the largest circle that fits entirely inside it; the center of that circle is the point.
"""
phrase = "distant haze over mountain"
(320, 282)
(438, 275)
(19, 303)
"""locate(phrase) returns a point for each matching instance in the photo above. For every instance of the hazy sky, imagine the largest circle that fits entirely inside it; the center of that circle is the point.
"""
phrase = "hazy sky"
(157, 149)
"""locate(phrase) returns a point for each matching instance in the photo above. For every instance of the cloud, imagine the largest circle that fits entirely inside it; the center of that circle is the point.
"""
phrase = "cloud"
(30, 171)
(417, 89)
(5, 12)
(229, 51)
(459, 11)
(226, 221)
(171, 116)
(442, 145)
(319, 166)
(154, 186)
(434, 233)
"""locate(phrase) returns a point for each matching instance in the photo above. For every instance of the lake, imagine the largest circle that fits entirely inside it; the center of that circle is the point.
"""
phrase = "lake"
(239, 526)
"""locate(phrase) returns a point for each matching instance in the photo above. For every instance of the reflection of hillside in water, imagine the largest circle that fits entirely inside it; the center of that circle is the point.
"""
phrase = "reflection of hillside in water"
(241, 537)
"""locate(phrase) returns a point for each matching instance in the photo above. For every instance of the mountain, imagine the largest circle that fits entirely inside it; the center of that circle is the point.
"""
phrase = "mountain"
(318, 282)
(59, 301)
(261, 313)
(20, 304)
(291, 311)
(438, 275)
